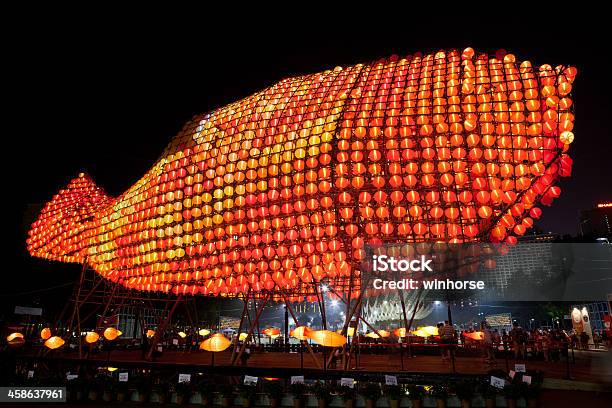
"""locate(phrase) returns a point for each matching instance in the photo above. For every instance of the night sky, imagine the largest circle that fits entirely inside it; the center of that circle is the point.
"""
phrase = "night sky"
(107, 98)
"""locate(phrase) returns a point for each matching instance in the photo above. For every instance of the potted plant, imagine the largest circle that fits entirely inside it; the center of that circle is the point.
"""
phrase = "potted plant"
(348, 396)
(511, 392)
(108, 389)
(122, 391)
(416, 394)
(96, 386)
(274, 391)
(371, 393)
(440, 393)
(489, 394)
(163, 392)
(206, 390)
(323, 393)
(395, 394)
(532, 393)
(143, 388)
(298, 390)
(183, 392)
(227, 395)
(247, 393)
(465, 392)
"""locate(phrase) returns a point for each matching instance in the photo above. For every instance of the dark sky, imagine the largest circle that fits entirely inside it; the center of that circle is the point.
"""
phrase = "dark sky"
(106, 97)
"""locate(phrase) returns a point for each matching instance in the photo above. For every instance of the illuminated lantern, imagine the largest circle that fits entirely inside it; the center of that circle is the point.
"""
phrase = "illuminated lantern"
(45, 333)
(271, 332)
(327, 338)
(426, 331)
(92, 337)
(111, 333)
(400, 332)
(301, 332)
(477, 335)
(382, 333)
(204, 332)
(112, 369)
(150, 333)
(182, 335)
(15, 340)
(54, 342)
(243, 336)
(215, 343)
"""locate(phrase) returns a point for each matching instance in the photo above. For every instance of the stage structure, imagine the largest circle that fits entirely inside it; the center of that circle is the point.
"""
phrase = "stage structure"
(273, 196)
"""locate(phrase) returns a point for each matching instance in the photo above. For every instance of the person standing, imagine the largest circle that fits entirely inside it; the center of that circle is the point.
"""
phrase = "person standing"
(488, 341)
(519, 341)
(447, 337)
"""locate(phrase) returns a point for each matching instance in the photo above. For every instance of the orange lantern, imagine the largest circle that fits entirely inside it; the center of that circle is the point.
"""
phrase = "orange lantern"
(272, 332)
(375, 335)
(215, 343)
(400, 332)
(477, 335)
(15, 339)
(111, 333)
(150, 333)
(327, 338)
(45, 333)
(54, 342)
(301, 332)
(92, 337)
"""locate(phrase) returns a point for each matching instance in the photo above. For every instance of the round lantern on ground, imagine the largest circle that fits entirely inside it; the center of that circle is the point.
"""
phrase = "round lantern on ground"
(54, 342)
(216, 343)
(45, 333)
(92, 337)
(111, 333)
(327, 338)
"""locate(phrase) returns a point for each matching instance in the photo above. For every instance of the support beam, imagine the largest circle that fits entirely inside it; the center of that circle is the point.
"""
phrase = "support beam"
(162, 327)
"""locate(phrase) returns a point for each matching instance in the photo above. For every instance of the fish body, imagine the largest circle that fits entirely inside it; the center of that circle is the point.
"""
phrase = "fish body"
(287, 186)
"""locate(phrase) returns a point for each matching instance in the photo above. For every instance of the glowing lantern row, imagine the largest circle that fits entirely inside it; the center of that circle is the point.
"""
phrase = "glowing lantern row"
(45, 333)
(54, 342)
(111, 333)
(286, 187)
(91, 337)
(215, 343)
(327, 338)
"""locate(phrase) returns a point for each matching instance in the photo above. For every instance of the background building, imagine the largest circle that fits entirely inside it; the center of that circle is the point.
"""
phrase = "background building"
(597, 222)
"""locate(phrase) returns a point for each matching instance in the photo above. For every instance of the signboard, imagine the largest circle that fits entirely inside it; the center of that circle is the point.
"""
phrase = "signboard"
(249, 380)
(527, 379)
(33, 311)
(175, 342)
(499, 320)
(160, 348)
(123, 377)
(347, 382)
(390, 380)
(297, 379)
(520, 368)
(184, 378)
(31, 374)
(498, 382)
(71, 376)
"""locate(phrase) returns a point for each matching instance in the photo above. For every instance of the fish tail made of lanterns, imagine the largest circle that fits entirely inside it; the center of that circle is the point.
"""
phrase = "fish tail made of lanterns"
(285, 187)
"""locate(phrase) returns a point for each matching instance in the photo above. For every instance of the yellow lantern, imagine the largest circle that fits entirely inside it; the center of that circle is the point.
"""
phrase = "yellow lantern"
(92, 337)
(182, 334)
(217, 342)
(111, 369)
(204, 332)
(45, 333)
(327, 338)
(243, 336)
(401, 332)
(13, 337)
(350, 331)
(150, 333)
(111, 333)
(54, 342)
(301, 333)
(374, 335)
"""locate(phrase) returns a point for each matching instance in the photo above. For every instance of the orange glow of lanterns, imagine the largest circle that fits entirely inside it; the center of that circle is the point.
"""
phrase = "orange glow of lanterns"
(272, 332)
(111, 333)
(381, 333)
(215, 343)
(15, 339)
(91, 337)
(327, 338)
(45, 333)
(286, 187)
(150, 333)
(301, 333)
(477, 335)
(400, 332)
(54, 342)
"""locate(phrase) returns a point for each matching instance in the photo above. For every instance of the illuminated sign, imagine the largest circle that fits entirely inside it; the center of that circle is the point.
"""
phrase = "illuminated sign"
(604, 205)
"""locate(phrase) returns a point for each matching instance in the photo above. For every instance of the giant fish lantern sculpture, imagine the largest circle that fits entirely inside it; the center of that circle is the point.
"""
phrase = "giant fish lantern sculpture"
(285, 187)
